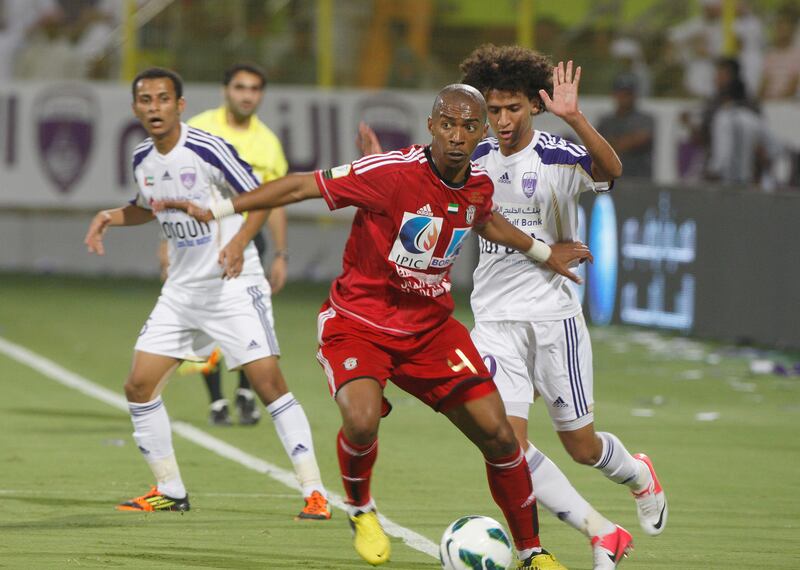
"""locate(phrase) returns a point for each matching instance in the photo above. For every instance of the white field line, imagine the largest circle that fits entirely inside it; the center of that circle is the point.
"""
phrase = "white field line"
(72, 380)
(52, 493)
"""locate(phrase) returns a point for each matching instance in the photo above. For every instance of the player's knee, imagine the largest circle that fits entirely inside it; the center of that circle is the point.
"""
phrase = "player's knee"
(138, 388)
(499, 442)
(360, 425)
(361, 431)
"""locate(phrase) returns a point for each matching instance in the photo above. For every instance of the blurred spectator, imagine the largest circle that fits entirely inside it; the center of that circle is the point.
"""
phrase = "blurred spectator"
(298, 66)
(71, 45)
(740, 147)
(628, 130)
(749, 33)
(90, 24)
(549, 37)
(405, 69)
(628, 52)
(18, 18)
(591, 49)
(696, 43)
(699, 41)
(782, 62)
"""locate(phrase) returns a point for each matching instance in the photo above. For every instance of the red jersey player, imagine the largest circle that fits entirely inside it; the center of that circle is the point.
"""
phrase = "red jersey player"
(389, 313)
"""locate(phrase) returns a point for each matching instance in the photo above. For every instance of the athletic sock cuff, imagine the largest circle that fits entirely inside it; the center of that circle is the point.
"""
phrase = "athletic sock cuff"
(282, 404)
(354, 449)
(144, 408)
(508, 462)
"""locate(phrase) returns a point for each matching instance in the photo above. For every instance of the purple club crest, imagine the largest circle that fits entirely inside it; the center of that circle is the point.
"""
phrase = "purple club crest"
(529, 183)
(188, 177)
(65, 128)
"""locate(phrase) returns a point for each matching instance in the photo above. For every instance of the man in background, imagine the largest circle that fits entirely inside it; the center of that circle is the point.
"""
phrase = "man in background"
(629, 130)
(236, 122)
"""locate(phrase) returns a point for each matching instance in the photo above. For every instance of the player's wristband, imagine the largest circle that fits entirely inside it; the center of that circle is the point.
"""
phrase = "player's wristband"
(222, 209)
(282, 253)
(539, 251)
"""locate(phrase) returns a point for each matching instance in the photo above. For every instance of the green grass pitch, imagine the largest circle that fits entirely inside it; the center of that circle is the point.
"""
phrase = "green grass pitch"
(67, 459)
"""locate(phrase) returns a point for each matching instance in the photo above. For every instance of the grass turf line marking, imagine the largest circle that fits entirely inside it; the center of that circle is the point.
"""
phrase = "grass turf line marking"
(72, 380)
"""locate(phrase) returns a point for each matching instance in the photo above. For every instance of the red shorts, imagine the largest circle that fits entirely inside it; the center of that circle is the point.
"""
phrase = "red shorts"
(441, 367)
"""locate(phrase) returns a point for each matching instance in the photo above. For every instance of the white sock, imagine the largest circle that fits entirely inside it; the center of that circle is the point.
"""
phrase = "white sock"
(353, 510)
(619, 465)
(523, 554)
(295, 435)
(556, 494)
(152, 433)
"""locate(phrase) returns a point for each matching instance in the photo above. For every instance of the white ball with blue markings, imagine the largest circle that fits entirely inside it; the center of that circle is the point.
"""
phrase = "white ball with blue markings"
(475, 542)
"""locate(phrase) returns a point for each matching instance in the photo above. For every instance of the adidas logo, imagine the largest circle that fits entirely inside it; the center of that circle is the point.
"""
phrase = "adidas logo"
(253, 344)
(425, 210)
(298, 449)
(166, 176)
(559, 403)
(504, 179)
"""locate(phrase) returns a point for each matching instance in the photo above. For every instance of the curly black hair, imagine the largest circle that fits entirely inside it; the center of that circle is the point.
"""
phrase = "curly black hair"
(509, 68)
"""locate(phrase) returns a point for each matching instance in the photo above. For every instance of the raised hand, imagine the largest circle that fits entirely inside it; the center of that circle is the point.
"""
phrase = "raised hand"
(564, 103)
(195, 211)
(367, 141)
(94, 235)
(566, 254)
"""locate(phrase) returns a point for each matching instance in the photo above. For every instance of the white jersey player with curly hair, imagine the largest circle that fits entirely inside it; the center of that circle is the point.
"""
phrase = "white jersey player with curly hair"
(528, 321)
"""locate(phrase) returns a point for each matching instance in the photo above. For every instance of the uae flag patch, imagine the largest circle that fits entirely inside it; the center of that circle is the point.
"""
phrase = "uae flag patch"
(452, 208)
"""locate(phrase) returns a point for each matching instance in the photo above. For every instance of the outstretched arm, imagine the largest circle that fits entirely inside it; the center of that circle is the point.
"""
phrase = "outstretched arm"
(129, 215)
(605, 163)
(557, 257)
(287, 190)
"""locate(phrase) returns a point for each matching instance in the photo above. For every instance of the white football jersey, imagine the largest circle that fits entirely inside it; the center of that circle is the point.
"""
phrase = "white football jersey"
(537, 190)
(203, 169)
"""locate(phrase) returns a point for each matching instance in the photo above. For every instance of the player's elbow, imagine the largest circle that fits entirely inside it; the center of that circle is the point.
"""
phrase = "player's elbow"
(616, 171)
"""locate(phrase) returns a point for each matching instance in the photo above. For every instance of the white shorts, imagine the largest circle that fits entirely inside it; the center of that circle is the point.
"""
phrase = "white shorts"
(237, 318)
(552, 359)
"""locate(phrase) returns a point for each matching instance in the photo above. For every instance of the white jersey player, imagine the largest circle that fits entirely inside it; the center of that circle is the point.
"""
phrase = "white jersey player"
(528, 321)
(216, 293)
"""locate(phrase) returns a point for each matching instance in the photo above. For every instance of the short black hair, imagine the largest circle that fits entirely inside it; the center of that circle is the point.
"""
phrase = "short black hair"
(229, 74)
(513, 69)
(159, 73)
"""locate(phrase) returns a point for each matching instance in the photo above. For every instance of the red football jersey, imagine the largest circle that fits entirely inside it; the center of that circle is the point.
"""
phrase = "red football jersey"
(408, 231)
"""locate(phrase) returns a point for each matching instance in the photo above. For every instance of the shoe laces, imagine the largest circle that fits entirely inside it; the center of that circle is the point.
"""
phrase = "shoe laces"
(648, 501)
(316, 503)
(153, 492)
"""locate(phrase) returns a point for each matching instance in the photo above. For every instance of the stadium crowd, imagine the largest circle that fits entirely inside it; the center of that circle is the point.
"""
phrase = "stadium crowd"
(725, 69)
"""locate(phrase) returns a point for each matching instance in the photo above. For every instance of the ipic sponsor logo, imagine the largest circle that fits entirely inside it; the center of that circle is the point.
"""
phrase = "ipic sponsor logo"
(416, 241)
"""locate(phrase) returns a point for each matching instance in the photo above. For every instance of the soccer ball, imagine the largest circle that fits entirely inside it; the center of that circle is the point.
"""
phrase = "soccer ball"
(475, 542)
